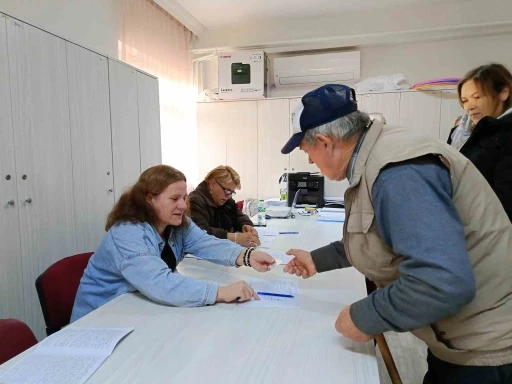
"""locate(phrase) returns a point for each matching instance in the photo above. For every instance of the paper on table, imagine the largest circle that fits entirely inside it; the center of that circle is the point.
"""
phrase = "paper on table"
(69, 356)
(280, 286)
(93, 341)
(327, 209)
(267, 241)
(331, 216)
(264, 231)
(40, 368)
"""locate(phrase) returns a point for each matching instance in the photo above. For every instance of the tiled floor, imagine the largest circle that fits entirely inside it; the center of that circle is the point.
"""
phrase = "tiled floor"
(409, 354)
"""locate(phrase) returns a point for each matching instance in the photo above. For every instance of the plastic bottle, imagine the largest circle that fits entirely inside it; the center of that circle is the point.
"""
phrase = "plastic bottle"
(261, 212)
(283, 187)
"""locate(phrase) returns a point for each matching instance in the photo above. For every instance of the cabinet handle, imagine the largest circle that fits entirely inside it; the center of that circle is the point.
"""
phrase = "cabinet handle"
(10, 202)
(24, 177)
(111, 190)
(7, 177)
(29, 200)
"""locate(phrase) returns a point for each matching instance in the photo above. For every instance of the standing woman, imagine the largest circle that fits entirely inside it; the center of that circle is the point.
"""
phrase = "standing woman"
(484, 134)
(212, 208)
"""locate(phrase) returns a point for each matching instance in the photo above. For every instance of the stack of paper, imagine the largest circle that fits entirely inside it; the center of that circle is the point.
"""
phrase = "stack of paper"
(71, 355)
(332, 214)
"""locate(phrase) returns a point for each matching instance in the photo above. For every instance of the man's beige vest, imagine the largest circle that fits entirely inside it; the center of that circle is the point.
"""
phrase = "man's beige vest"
(481, 332)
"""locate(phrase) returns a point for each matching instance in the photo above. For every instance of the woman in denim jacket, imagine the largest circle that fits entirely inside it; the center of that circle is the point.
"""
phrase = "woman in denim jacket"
(148, 235)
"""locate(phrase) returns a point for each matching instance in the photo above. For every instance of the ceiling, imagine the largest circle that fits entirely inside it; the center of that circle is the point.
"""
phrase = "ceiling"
(221, 13)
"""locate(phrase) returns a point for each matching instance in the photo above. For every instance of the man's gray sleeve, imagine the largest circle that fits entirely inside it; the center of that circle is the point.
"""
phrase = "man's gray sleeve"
(330, 257)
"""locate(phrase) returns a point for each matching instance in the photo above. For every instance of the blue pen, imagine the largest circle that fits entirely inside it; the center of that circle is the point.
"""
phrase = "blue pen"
(288, 233)
(274, 294)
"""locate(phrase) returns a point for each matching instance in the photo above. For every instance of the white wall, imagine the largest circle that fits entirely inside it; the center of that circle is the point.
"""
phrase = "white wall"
(95, 24)
(419, 61)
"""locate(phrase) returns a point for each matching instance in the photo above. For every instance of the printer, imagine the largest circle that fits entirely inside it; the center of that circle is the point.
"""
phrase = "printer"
(311, 189)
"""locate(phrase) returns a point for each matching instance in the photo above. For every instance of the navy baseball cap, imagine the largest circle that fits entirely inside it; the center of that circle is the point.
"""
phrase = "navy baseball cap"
(319, 107)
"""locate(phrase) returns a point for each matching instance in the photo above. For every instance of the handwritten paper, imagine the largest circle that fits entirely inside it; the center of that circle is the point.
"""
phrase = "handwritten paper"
(279, 286)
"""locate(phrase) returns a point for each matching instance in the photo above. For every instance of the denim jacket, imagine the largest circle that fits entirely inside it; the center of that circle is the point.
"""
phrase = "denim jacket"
(128, 260)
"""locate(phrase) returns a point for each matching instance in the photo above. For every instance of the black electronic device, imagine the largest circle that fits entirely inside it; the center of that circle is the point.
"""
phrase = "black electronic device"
(311, 189)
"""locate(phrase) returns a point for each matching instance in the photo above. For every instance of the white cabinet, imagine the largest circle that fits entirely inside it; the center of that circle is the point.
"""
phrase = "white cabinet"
(421, 111)
(149, 121)
(125, 126)
(91, 144)
(450, 110)
(227, 135)
(212, 122)
(40, 115)
(11, 289)
(273, 133)
(241, 142)
(386, 103)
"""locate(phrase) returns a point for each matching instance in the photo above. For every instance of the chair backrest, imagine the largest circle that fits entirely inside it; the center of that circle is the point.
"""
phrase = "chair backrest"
(15, 337)
(57, 287)
(240, 204)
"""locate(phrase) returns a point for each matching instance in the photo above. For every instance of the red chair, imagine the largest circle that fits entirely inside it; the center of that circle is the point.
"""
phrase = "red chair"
(240, 204)
(57, 287)
(15, 337)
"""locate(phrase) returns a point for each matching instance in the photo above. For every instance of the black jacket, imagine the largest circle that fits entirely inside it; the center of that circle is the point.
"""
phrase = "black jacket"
(490, 149)
(216, 221)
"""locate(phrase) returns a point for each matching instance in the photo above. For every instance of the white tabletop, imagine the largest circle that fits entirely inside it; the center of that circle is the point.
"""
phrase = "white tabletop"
(228, 343)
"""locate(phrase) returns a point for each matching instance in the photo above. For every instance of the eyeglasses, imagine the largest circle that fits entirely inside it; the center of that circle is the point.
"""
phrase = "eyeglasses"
(227, 192)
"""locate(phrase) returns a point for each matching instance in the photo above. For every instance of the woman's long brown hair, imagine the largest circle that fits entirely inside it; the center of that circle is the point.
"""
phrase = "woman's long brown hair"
(133, 206)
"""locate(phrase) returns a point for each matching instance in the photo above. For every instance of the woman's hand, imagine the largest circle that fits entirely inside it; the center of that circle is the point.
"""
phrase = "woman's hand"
(246, 239)
(301, 265)
(239, 291)
(250, 229)
(261, 261)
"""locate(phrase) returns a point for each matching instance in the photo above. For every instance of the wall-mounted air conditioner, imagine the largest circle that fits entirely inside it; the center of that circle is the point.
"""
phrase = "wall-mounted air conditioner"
(319, 69)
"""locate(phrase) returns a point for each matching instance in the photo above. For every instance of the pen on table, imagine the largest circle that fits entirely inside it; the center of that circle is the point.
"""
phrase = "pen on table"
(274, 294)
(288, 233)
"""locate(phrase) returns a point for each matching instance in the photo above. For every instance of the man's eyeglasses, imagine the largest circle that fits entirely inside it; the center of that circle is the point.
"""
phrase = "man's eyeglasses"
(227, 192)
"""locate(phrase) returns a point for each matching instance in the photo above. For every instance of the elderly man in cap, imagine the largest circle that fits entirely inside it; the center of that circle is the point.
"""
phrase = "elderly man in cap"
(425, 226)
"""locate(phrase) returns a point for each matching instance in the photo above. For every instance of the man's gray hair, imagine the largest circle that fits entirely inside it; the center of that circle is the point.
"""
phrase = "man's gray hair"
(343, 128)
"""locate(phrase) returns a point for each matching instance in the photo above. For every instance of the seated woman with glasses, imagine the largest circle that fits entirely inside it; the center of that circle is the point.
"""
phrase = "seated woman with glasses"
(212, 208)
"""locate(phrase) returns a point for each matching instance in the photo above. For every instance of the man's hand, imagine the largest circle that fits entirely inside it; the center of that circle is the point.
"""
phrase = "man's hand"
(301, 265)
(347, 328)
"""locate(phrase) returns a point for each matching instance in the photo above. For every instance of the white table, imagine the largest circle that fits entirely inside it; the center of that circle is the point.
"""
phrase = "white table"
(229, 344)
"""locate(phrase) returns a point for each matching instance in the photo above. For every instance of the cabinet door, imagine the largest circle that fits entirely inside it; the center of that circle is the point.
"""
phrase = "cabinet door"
(273, 132)
(386, 103)
(421, 111)
(450, 110)
(242, 140)
(212, 120)
(40, 111)
(11, 279)
(124, 117)
(149, 121)
(91, 144)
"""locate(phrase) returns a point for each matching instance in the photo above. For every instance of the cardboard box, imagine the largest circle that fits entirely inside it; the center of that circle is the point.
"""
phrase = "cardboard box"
(242, 75)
